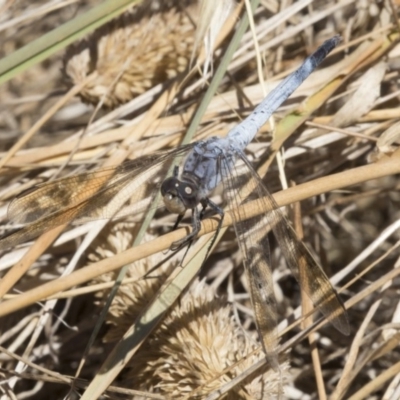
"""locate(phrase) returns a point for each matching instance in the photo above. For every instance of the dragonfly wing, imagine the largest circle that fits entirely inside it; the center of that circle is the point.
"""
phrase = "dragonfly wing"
(95, 195)
(49, 197)
(255, 250)
(312, 278)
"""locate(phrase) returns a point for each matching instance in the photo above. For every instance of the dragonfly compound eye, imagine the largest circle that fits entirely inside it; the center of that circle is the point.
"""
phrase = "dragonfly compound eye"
(174, 204)
(170, 190)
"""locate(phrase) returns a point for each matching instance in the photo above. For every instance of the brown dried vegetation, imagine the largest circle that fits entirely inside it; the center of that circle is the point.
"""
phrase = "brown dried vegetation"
(136, 69)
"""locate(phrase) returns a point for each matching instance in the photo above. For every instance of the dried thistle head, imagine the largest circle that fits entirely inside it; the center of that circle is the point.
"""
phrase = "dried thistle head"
(142, 48)
(198, 348)
(198, 343)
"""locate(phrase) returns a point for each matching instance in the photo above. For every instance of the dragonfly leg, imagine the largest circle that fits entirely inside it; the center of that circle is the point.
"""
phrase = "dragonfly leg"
(204, 205)
(178, 221)
(218, 210)
(188, 238)
(196, 218)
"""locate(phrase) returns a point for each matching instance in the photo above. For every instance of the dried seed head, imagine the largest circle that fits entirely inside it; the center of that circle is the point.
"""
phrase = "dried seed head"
(129, 55)
(198, 348)
(197, 344)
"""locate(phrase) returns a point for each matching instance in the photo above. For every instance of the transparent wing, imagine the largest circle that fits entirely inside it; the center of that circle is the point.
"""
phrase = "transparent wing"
(91, 195)
(49, 197)
(245, 183)
(253, 243)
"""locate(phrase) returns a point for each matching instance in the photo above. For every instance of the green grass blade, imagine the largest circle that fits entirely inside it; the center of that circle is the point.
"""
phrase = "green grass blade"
(59, 38)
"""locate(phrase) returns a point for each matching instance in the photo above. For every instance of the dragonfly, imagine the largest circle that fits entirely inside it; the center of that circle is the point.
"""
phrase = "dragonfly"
(203, 166)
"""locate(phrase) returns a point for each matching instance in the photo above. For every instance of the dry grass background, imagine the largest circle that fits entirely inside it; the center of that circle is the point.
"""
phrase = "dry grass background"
(136, 97)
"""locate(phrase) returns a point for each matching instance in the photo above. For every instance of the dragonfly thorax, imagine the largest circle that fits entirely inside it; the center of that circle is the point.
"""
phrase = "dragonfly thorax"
(179, 195)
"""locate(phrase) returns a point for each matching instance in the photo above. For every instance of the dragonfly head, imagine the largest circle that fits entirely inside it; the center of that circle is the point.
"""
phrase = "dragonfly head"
(178, 195)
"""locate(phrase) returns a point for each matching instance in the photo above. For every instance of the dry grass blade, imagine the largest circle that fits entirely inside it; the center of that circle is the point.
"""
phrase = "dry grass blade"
(376, 383)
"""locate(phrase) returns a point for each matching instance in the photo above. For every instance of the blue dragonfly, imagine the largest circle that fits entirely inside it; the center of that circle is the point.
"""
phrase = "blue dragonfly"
(204, 165)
